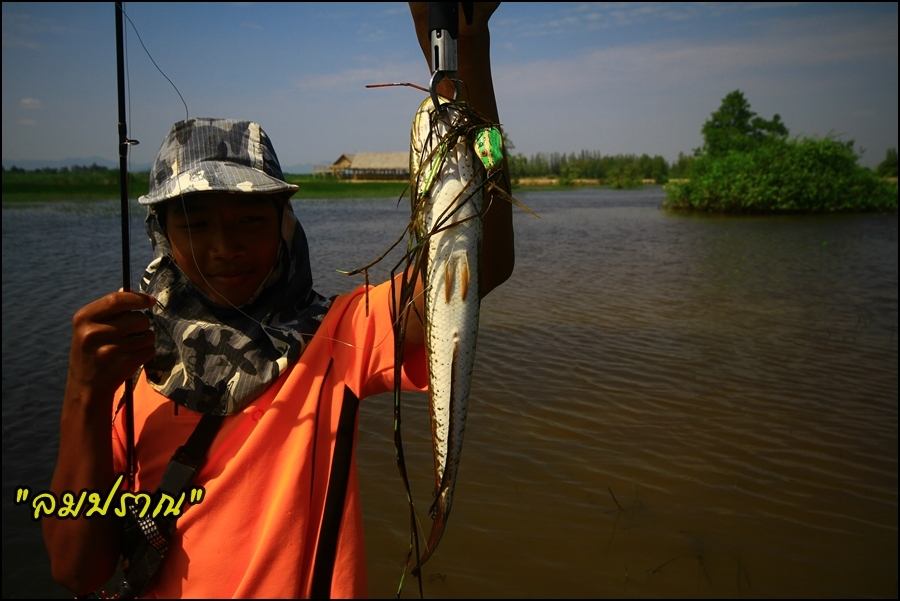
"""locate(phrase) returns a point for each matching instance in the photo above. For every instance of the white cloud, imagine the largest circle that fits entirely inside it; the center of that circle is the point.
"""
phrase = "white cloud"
(785, 48)
(358, 77)
(653, 97)
(594, 16)
(14, 41)
(30, 104)
(22, 30)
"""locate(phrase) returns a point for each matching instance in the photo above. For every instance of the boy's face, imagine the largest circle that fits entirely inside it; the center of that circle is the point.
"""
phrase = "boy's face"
(235, 240)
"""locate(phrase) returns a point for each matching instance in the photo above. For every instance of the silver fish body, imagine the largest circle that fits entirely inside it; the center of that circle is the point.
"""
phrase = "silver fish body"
(447, 202)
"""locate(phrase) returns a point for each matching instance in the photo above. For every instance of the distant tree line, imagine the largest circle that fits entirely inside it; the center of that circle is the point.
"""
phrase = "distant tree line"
(92, 181)
(888, 167)
(734, 128)
(72, 169)
(627, 170)
(624, 170)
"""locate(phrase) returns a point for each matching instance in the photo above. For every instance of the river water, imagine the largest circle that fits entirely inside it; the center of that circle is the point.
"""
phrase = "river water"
(663, 405)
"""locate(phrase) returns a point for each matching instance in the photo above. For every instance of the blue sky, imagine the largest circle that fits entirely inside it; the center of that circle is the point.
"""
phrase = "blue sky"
(609, 77)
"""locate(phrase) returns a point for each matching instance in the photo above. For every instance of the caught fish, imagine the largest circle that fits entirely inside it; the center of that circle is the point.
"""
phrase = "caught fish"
(447, 184)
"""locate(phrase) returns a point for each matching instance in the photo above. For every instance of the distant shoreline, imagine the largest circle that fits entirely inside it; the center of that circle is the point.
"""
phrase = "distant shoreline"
(579, 181)
(37, 186)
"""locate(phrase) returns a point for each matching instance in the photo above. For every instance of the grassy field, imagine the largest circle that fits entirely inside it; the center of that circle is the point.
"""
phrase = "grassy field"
(88, 184)
(103, 184)
(97, 184)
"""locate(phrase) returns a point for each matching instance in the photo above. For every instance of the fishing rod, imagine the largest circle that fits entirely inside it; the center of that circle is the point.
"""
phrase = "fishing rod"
(124, 142)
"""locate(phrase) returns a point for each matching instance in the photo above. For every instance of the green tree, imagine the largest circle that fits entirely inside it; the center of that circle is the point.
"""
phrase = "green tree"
(659, 170)
(888, 167)
(508, 145)
(625, 174)
(791, 176)
(568, 173)
(682, 166)
(748, 165)
(735, 127)
(518, 166)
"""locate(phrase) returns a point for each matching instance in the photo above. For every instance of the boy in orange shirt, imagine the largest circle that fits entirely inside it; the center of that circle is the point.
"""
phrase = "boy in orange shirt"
(237, 336)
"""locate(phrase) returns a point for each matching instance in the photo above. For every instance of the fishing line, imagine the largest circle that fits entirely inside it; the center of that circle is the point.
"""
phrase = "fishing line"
(263, 327)
(276, 344)
(266, 329)
(155, 65)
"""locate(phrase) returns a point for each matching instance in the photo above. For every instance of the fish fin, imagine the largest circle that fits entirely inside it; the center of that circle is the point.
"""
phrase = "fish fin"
(449, 277)
(464, 276)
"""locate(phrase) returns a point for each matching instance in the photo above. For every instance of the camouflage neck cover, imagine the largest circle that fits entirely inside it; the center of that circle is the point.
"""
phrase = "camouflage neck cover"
(217, 360)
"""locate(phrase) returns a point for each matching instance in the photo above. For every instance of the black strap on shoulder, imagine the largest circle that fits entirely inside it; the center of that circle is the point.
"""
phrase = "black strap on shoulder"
(323, 569)
(146, 539)
(190, 456)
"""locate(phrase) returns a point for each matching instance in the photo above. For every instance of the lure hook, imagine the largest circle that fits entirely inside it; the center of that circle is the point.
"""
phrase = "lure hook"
(436, 78)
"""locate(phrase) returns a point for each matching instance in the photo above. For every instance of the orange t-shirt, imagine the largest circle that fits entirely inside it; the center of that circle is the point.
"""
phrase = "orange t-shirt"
(266, 476)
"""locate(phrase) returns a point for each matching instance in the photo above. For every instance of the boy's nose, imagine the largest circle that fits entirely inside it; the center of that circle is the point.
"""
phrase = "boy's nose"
(225, 243)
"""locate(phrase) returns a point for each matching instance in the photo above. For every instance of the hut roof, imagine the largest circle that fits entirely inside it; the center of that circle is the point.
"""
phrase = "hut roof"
(375, 160)
(343, 161)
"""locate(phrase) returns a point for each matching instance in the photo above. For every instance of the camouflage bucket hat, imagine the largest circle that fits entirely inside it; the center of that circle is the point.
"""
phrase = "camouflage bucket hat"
(215, 155)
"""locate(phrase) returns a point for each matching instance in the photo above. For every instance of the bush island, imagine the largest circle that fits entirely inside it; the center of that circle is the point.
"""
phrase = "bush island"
(748, 165)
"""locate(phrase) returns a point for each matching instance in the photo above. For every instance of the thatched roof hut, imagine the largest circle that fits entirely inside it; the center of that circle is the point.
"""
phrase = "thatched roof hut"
(372, 165)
